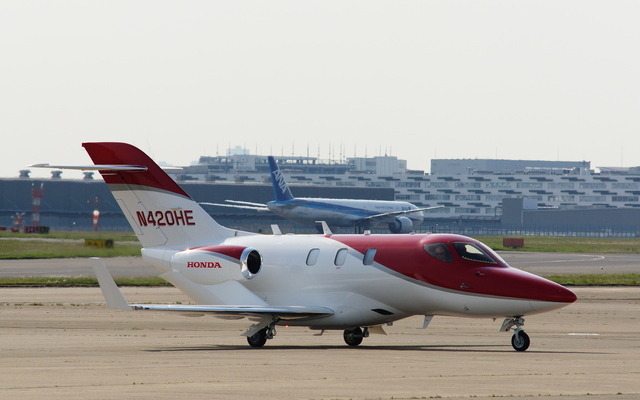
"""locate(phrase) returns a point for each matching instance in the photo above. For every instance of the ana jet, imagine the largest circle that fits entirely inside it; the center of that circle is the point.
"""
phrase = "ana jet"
(399, 216)
(354, 283)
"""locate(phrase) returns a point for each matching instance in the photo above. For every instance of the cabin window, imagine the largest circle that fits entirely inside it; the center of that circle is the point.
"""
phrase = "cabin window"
(312, 257)
(341, 257)
(369, 255)
(471, 252)
(438, 251)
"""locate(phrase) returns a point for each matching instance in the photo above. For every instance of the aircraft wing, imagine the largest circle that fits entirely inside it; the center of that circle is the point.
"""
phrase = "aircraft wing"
(394, 213)
(115, 299)
(244, 205)
(286, 312)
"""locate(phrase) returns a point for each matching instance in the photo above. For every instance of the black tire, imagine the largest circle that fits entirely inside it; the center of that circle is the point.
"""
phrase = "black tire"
(258, 339)
(520, 341)
(353, 337)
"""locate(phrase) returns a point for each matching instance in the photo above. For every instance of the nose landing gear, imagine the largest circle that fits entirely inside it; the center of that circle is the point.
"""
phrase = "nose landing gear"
(520, 340)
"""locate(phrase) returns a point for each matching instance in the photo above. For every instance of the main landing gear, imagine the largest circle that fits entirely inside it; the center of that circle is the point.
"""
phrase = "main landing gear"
(353, 337)
(520, 340)
(259, 338)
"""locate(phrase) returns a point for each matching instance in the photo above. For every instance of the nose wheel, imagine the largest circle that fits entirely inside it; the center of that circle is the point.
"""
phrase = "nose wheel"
(520, 340)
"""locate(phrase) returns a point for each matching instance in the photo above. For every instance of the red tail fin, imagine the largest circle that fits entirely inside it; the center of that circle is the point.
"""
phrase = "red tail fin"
(123, 153)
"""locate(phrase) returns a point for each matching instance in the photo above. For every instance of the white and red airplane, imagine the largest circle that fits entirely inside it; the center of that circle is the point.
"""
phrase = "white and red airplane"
(355, 283)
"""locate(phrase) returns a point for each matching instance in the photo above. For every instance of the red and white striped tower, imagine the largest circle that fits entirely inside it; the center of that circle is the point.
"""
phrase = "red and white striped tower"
(36, 194)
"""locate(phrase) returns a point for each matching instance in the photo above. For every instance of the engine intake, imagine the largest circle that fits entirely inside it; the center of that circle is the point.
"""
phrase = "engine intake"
(401, 225)
(251, 261)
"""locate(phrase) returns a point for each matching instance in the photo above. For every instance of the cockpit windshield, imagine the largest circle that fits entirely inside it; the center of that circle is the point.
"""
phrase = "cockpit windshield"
(438, 251)
(471, 252)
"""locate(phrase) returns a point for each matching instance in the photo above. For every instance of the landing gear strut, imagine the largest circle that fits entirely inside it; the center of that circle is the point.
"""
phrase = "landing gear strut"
(520, 340)
(353, 337)
(259, 338)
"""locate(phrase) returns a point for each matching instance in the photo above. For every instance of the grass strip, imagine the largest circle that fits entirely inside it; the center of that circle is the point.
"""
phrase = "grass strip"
(567, 244)
(596, 279)
(34, 249)
(116, 236)
(48, 282)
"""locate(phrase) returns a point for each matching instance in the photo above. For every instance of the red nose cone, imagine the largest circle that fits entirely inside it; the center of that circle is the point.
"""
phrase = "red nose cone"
(512, 282)
(557, 293)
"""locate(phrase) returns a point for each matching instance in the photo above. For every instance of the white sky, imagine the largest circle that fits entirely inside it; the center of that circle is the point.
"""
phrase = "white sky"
(419, 79)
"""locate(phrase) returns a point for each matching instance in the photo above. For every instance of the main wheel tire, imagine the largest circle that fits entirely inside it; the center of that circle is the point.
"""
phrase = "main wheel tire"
(520, 341)
(258, 339)
(353, 337)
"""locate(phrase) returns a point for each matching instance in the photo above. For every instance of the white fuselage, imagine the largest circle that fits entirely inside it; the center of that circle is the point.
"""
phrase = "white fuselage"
(359, 295)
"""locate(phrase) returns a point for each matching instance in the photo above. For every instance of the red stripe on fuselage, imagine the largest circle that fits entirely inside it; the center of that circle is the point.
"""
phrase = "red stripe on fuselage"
(229, 251)
(405, 254)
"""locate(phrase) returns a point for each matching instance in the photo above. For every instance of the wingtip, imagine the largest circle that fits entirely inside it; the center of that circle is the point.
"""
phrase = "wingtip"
(112, 294)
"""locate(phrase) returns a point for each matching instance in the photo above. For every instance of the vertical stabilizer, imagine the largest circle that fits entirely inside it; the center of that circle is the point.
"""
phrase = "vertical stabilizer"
(159, 211)
(280, 188)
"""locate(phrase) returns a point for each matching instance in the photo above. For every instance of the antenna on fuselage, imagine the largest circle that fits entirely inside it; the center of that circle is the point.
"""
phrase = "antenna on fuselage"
(276, 229)
(325, 228)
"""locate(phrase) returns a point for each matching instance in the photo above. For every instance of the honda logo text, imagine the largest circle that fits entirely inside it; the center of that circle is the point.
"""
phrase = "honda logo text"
(203, 264)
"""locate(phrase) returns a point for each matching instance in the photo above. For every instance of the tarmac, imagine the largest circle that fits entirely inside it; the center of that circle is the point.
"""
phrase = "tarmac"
(60, 343)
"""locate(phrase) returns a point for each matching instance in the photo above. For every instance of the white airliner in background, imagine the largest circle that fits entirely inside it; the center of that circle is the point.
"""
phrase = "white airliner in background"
(399, 216)
(354, 283)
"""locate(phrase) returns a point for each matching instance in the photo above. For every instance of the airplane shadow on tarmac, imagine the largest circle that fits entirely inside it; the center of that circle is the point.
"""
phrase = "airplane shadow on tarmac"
(429, 348)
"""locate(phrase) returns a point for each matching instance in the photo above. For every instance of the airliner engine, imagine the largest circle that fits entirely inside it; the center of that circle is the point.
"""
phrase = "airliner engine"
(401, 225)
(211, 265)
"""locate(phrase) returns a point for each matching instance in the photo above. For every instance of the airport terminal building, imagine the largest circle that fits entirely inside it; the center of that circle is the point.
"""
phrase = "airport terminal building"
(475, 194)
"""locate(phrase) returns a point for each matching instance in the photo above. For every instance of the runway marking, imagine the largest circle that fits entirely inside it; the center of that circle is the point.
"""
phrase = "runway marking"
(583, 334)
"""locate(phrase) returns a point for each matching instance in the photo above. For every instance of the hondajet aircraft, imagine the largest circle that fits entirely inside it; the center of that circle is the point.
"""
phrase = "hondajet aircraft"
(355, 283)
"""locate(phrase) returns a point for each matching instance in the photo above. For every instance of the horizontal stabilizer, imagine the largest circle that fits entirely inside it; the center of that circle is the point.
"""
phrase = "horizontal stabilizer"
(103, 167)
(130, 168)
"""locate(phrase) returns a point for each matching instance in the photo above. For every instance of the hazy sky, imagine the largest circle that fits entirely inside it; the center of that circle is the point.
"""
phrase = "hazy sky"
(418, 79)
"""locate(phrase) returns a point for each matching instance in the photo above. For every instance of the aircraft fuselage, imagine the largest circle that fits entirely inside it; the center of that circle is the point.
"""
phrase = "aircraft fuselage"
(341, 212)
(369, 280)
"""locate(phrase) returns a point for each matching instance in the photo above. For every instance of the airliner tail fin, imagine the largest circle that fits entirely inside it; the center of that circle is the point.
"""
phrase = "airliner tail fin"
(280, 188)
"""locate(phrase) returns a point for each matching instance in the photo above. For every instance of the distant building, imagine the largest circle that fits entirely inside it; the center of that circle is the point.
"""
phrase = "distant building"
(383, 165)
(459, 166)
(471, 191)
(467, 188)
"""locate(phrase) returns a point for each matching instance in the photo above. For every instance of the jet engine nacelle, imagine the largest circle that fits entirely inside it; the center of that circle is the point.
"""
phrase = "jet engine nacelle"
(211, 265)
(401, 225)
